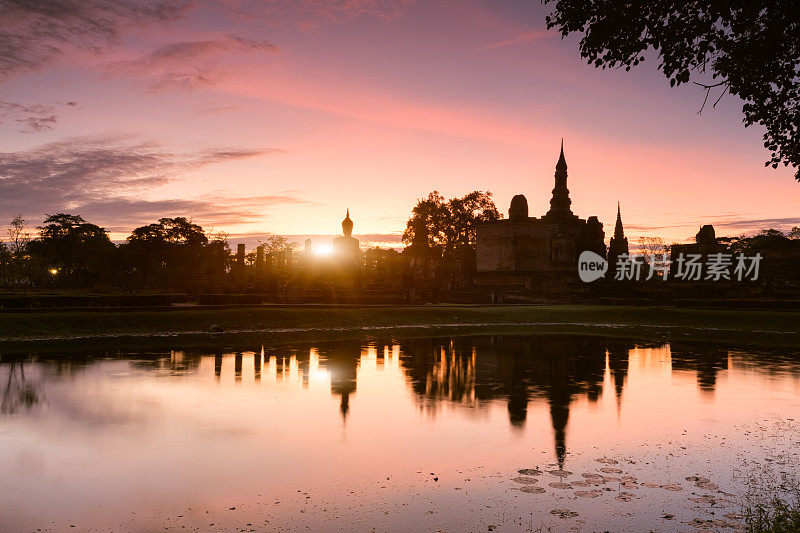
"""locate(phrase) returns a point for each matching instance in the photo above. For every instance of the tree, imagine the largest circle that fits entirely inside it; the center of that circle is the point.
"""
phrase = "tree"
(449, 224)
(78, 252)
(156, 251)
(5, 264)
(19, 237)
(653, 249)
(767, 239)
(466, 212)
(382, 266)
(748, 48)
(180, 231)
(274, 244)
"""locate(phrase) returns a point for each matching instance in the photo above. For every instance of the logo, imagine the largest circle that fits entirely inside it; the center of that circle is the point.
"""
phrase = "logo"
(591, 266)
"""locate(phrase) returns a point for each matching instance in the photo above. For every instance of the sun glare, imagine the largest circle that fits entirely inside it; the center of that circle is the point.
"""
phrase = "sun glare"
(323, 250)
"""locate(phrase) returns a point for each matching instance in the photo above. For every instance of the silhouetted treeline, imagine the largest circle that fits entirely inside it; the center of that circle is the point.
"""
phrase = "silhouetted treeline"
(66, 251)
(70, 252)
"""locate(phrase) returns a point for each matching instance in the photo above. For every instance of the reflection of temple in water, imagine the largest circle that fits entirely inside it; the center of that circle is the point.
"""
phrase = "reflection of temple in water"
(705, 360)
(518, 371)
(618, 363)
(342, 363)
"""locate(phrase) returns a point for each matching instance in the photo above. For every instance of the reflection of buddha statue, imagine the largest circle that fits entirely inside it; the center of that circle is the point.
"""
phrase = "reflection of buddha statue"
(342, 363)
(347, 247)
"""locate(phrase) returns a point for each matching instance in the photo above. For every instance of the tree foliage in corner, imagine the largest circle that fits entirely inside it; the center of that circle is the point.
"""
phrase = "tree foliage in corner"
(749, 48)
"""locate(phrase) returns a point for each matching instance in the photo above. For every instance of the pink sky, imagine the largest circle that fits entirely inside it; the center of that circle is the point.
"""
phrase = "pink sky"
(274, 116)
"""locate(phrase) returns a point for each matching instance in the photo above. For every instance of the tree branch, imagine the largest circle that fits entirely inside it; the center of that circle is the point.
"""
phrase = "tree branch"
(708, 88)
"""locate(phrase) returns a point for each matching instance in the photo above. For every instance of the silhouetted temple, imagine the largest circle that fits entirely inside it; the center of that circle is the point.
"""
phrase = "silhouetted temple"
(537, 254)
(617, 246)
(705, 244)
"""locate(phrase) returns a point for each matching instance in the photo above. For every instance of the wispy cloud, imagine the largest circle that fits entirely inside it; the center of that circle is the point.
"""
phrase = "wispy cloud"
(186, 64)
(311, 14)
(728, 224)
(30, 118)
(524, 37)
(33, 32)
(104, 178)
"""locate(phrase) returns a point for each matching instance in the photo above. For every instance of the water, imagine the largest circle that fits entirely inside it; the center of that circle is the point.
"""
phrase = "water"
(410, 434)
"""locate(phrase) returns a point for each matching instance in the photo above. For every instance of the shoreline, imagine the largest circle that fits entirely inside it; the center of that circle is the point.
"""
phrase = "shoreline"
(204, 327)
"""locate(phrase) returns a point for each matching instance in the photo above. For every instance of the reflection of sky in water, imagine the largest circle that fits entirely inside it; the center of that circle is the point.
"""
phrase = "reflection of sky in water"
(342, 433)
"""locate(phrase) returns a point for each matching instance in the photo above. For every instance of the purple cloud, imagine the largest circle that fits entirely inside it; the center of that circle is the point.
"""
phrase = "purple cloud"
(33, 32)
(28, 118)
(103, 178)
(186, 64)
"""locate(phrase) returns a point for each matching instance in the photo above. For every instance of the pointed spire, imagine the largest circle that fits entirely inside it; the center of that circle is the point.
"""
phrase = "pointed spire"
(560, 202)
(619, 232)
(618, 245)
(562, 161)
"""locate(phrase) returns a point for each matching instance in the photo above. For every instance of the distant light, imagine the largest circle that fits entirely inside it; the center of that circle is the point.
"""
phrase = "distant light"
(325, 249)
(54, 271)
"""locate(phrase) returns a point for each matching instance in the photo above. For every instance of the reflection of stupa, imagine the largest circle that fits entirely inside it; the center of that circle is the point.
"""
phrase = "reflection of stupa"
(706, 361)
(618, 363)
(559, 415)
(517, 369)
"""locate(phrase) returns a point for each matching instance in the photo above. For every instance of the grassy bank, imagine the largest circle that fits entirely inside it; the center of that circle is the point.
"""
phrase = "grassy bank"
(748, 327)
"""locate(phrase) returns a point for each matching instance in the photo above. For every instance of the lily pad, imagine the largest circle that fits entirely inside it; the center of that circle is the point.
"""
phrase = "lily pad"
(607, 461)
(625, 496)
(525, 480)
(707, 485)
(702, 499)
(532, 489)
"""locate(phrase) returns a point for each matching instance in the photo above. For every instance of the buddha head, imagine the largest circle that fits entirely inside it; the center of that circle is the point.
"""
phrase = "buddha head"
(347, 225)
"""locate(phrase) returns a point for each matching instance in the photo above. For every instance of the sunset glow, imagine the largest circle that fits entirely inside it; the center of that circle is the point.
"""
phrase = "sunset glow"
(274, 117)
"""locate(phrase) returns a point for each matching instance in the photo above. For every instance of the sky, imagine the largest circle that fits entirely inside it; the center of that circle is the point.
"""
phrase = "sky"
(275, 116)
